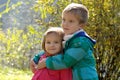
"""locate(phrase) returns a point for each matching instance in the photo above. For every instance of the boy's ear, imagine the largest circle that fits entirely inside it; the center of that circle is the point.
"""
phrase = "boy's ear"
(82, 25)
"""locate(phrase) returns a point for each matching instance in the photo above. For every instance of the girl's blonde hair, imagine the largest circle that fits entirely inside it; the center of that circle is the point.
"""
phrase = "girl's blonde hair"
(80, 11)
(58, 31)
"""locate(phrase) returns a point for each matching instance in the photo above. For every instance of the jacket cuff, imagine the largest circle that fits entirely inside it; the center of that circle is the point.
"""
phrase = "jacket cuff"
(49, 63)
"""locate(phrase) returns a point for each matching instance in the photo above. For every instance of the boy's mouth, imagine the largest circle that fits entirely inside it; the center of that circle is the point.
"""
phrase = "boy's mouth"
(66, 29)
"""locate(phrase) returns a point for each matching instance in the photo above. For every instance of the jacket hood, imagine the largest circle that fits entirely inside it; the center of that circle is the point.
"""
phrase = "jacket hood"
(84, 34)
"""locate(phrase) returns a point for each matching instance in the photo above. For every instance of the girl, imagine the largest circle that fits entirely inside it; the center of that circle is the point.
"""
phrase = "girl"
(52, 45)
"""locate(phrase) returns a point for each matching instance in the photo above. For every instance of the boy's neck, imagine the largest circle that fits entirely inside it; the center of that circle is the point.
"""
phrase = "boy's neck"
(68, 36)
(78, 31)
(75, 32)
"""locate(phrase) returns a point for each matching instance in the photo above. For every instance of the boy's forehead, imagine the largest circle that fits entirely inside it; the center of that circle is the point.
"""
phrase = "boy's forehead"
(71, 13)
(67, 14)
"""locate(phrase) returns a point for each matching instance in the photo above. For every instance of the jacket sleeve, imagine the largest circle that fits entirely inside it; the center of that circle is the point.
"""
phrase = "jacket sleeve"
(37, 57)
(70, 57)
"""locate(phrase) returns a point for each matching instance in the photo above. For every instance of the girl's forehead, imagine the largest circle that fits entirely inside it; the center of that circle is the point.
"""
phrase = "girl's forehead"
(52, 35)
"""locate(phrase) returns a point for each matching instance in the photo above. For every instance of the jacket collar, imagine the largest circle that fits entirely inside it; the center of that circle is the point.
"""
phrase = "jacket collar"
(82, 33)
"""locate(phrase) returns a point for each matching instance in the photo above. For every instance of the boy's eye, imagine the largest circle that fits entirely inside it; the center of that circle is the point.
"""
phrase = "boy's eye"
(48, 42)
(56, 42)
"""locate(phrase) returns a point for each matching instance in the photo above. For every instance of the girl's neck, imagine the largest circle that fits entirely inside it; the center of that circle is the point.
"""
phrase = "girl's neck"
(48, 54)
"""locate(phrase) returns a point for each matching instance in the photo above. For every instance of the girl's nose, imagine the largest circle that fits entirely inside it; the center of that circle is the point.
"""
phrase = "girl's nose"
(52, 44)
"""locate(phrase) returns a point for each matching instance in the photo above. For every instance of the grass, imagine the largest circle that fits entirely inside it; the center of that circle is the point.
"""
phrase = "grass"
(14, 74)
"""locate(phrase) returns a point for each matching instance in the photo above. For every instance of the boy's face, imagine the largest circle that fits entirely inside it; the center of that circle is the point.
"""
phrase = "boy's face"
(53, 43)
(70, 23)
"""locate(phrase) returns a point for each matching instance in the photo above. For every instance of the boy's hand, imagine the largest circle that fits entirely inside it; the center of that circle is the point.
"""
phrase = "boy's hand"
(32, 66)
(41, 64)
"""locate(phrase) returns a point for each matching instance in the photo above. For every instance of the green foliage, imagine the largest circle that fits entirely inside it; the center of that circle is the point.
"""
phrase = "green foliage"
(17, 46)
(8, 8)
(50, 10)
(14, 74)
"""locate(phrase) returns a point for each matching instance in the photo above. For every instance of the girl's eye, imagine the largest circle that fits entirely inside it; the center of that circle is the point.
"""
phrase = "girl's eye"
(71, 21)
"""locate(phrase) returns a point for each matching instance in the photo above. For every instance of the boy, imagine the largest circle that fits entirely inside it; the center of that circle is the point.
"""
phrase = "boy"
(78, 50)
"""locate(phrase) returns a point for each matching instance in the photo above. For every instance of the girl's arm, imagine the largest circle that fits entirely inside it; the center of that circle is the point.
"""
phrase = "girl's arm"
(36, 58)
(32, 66)
(34, 61)
(41, 64)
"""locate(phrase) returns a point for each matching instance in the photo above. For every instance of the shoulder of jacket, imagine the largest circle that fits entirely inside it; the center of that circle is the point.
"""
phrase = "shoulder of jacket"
(79, 41)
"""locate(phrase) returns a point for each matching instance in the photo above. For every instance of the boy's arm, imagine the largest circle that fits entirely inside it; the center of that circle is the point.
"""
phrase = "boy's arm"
(67, 60)
(70, 57)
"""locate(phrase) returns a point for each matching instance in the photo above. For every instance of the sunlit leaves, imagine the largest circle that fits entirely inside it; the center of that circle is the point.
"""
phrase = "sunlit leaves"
(15, 45)
(14, 74)
(2, 35)
(44, 10)
(8, 8)
(31, 29)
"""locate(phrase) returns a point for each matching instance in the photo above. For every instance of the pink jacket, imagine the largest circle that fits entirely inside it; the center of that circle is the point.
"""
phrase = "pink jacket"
(47, 74)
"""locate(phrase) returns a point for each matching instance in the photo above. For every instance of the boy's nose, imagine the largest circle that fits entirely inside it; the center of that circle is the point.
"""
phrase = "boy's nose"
(65, 24)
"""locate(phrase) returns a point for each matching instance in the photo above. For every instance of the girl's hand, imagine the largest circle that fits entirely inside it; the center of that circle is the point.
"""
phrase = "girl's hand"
(41, 64)
(32, 66)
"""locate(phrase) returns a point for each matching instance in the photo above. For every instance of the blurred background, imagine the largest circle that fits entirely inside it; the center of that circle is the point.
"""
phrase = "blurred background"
(23, 22)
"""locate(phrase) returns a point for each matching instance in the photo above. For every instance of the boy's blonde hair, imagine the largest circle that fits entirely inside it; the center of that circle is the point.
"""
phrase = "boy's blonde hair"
(58, 31)
(79, 10)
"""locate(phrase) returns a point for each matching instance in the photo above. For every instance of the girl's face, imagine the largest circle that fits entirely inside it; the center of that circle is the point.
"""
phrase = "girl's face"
(70, 23)
(53, 43)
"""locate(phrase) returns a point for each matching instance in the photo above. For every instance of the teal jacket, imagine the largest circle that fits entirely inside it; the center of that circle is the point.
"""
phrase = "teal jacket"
(78, 54)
